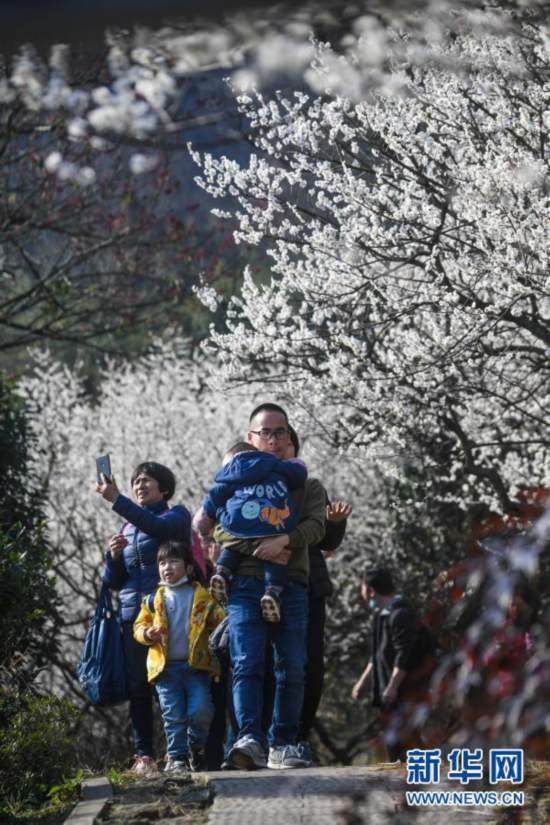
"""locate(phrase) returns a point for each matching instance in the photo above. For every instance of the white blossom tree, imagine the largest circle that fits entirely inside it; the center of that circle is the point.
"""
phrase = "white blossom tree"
(146, 70)
(408, 311)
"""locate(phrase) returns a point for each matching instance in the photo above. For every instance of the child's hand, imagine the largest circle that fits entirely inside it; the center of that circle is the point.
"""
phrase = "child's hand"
(338, 511)
(210, 549)
(153, 634)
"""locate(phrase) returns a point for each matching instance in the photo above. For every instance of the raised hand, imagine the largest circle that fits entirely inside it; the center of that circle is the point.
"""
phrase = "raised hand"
(338, 511)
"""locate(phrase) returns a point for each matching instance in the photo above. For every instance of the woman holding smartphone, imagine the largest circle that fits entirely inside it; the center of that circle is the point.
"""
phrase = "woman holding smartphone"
(131, 569)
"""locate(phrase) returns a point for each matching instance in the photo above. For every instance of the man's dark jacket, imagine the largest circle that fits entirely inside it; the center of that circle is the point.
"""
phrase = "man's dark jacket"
(319, 579)
(396, 642)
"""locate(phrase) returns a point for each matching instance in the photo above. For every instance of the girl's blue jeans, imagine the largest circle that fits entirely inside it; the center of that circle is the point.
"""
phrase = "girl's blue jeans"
(186, 704)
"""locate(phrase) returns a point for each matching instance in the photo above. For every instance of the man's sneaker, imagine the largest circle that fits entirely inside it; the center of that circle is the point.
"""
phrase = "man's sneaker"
(176, 766)
(306, 752)
(144, 766)
(197, 762)
(218, 588)
(285, 757)
(247, 754)
(271, 607)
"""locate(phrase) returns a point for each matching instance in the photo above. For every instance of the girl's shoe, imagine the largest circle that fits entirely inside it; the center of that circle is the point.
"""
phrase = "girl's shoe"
(144, 766)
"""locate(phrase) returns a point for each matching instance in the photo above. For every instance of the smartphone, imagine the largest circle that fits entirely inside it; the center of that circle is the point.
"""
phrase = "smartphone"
(103, 467)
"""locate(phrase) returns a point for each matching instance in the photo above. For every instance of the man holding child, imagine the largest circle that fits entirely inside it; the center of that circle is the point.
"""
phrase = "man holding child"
(249, 632)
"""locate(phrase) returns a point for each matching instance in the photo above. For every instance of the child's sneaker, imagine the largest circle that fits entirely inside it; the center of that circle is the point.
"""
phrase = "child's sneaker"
(218, 588)
(271, 606)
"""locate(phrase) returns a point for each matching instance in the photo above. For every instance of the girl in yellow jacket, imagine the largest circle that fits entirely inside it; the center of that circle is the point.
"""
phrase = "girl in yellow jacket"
(175, 622)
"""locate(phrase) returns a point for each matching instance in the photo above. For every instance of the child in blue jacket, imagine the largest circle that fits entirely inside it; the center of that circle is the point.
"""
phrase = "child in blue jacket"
(251, 499)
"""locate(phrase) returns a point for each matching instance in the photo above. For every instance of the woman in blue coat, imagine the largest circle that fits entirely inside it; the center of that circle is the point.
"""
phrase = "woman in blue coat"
(131, 569)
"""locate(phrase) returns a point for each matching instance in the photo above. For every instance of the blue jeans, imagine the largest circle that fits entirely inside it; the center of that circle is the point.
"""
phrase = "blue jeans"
(248, 636)
(186, 705)
(275, 575)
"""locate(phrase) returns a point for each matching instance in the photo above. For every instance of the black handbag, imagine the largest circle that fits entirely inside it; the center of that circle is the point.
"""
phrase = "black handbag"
(218, 643)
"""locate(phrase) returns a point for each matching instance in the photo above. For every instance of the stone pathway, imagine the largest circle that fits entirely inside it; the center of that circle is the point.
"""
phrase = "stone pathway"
(324, 796)
(317, 796)
(182, 800)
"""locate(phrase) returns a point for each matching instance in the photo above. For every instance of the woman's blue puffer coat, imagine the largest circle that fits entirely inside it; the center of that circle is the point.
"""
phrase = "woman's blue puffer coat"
(135, 573)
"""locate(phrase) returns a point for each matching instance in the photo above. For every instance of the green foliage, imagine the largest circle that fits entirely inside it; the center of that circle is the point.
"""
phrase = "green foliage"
(67, 791)
(116, 777)
(14, 503)
(36, 748)
(27, 594)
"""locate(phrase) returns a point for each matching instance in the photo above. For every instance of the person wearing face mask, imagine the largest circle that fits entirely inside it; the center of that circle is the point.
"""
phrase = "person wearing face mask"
(131, 569)
(401, 657)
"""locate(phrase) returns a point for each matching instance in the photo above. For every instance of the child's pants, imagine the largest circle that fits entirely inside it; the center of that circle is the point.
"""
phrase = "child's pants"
(186, 705)
(275, 575)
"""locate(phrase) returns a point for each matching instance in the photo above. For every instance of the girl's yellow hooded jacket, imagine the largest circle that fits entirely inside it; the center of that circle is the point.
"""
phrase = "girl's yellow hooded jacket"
(206, 614)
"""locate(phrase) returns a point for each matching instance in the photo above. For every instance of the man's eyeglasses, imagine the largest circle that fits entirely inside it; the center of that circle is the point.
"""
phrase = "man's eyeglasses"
(266, 434)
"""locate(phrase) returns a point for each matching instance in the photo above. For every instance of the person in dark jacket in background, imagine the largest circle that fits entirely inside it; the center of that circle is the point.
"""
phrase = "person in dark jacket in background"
(400, 657)
(320, 588)
(131, 569)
